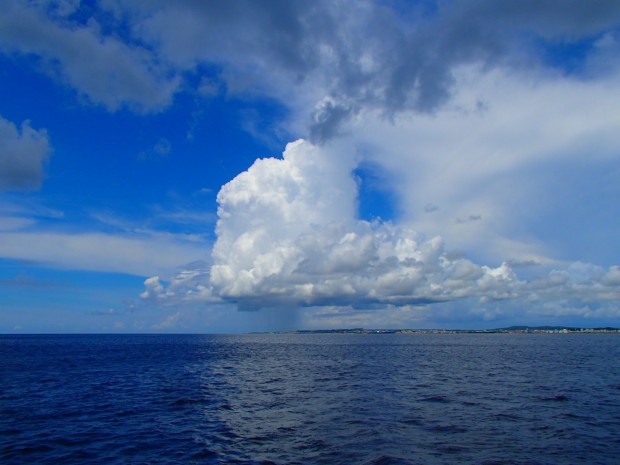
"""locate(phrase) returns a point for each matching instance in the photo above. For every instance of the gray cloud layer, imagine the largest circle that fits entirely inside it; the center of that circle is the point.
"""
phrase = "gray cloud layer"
(100, 66)
(359, 54)
(23, 152)
(366, 55)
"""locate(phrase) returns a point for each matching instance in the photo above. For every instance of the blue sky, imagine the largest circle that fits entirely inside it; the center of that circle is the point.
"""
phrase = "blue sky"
(268, 165)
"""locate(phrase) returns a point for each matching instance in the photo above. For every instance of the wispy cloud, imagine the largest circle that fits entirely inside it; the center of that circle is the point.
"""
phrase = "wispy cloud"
(170, 322)
(26, 280)
(99, 251)
(161, 149)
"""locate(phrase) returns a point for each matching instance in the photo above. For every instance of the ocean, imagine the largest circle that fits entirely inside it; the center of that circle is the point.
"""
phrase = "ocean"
(310, 399)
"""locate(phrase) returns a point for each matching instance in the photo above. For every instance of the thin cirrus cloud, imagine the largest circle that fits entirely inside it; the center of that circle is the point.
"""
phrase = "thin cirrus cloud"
(137, 254)
(483, 174)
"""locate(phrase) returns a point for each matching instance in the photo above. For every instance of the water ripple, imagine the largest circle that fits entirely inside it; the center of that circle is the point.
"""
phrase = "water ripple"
(320, 399)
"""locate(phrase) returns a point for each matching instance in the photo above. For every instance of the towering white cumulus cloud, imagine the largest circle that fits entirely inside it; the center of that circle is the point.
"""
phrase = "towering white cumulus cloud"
(287, 235)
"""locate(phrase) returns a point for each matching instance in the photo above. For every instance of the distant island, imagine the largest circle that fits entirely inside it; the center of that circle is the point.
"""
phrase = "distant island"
(508, 330)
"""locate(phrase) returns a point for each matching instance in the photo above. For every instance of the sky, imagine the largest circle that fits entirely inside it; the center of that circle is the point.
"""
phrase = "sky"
(233, 166)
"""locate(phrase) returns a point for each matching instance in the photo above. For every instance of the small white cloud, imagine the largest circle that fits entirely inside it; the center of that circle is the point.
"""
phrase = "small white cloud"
(612, 277)
(153, 289)
(170, 322)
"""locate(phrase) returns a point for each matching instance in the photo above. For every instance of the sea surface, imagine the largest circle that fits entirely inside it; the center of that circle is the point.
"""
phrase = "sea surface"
(310, 399)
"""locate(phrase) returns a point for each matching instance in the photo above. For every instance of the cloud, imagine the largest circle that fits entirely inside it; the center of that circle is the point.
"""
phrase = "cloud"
(23, 153)
(160, 150)
(27, 281)
(159, 222)
(100, 66)
(26, 208)
(170, 322)
(133, 254)
(190, 285)
(327, 60)
(10, 223)
(469, 219)
(328, 118)
(287, 235)
(342, 57)
(578, 282)
(521, 166)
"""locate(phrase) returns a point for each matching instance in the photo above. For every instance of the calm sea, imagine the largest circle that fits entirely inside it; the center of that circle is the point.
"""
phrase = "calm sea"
(310, 399)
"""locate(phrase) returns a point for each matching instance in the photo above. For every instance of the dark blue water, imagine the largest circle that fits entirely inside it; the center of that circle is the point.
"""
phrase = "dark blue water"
(310, 399)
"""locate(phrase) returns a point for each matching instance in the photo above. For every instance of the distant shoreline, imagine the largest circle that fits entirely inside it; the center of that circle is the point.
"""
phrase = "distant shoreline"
(509, 330)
